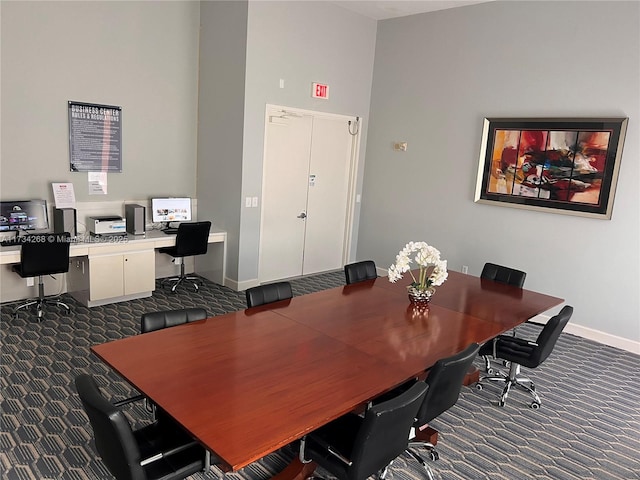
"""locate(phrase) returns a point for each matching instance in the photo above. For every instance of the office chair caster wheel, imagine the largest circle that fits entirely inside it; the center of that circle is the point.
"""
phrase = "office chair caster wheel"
(490, 371)
(501, 403)
(533, 387)
(534, 405)
(479, 386)
(433, 455)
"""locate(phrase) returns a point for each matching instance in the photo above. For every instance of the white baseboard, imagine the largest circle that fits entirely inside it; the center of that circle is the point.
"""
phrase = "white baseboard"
(240, 286)
(595, 335)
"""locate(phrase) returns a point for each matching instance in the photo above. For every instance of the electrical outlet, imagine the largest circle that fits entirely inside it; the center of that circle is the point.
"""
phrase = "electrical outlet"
(30, 282)
(465, 269)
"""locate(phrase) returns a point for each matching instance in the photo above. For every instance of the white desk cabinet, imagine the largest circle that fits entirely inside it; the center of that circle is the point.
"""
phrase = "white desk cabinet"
(128, 274)
(112, 277)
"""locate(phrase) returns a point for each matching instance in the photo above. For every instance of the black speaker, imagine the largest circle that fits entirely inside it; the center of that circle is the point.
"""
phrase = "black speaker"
(134, 215)
(64, 220)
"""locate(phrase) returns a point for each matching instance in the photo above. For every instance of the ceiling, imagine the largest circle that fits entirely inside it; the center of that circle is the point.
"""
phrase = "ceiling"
(380, 10)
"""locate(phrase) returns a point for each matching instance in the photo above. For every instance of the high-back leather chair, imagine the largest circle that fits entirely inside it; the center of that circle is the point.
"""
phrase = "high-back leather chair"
(360, 271)
(152, 321)
(501, 274)
(522, 352)
(444, 380)
(160, 450)
(192, 239)
(40, 255)
(354, 447)
(269, 293)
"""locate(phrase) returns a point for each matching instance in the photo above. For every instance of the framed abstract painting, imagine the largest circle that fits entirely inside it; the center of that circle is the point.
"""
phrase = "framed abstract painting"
(560, 165)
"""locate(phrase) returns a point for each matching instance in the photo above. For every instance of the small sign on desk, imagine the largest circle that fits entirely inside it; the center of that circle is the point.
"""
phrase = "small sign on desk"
(63, 195)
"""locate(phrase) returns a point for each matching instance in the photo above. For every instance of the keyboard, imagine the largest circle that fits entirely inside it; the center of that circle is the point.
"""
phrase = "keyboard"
(170, 231)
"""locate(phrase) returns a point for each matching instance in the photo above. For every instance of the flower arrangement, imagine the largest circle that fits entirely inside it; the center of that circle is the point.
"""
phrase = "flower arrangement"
(433, 271)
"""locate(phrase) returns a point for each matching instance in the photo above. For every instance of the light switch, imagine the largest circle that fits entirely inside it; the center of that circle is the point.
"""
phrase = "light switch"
(247, 202)
(254, 202)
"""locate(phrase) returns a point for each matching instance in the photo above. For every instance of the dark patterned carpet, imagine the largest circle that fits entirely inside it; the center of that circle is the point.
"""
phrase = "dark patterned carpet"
(587, 428)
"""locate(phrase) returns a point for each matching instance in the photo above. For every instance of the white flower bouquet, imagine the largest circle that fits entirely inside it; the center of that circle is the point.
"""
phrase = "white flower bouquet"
(433, 270)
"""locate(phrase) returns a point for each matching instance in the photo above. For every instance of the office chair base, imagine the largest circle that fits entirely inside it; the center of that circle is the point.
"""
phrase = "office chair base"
(196, 282)
(512, 379)
(431, 449)
(40, 304)
(420, 460)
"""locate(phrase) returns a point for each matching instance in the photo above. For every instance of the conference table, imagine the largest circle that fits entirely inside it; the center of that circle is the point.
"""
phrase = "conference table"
(247, 383)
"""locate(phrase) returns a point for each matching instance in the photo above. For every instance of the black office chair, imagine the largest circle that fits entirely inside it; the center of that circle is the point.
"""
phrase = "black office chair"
(152, 321)
(40, 255)
(269, 293)
(160, 450)
(355, 447)
(360, 271)
(501, 274)
(192, 239)
(522, 352)
(445, 383)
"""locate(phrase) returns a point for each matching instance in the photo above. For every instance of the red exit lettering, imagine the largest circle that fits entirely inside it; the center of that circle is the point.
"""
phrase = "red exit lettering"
(320, 90)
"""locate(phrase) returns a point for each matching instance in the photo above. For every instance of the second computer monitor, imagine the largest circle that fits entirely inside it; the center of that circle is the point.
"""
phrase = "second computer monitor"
(170, 209)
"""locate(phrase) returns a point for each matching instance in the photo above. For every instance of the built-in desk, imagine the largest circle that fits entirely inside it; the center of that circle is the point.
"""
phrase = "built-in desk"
(108, 270)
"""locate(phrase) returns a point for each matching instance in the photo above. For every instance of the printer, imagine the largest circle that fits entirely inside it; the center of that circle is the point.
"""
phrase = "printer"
(107, 225)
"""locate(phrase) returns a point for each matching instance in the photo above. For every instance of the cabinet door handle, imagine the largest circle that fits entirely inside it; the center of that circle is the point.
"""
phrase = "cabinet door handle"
(302, 215)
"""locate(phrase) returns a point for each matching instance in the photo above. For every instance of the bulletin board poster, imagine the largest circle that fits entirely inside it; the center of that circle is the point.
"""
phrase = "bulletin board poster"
(95, 137)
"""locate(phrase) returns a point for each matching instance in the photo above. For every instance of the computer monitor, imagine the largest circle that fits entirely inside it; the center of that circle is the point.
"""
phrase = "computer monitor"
(23, 215)
(170, 209)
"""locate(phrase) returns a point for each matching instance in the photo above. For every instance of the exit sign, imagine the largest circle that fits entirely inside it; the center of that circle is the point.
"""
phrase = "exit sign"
(320, 90)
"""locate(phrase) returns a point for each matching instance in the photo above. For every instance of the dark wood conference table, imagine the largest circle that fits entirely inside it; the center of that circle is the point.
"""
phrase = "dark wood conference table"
(250, 382)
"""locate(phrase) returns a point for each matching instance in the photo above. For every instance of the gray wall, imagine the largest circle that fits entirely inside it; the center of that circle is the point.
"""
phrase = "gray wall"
(223, 45)
(141, 56)
(302, 43)
(436, 77)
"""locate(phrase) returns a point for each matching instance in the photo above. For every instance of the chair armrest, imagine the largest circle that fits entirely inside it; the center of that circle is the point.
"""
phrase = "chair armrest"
(326, 446)
(339, 456)
(167, 453)
(129, 400)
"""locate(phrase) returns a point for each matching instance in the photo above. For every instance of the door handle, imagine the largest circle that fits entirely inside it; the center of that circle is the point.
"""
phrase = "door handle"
(302, 215)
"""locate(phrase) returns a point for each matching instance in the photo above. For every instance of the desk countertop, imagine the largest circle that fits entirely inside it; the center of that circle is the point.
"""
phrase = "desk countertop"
(86, 244)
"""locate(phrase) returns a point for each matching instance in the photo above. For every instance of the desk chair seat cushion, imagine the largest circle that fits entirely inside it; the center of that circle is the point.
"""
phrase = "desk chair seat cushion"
(152, 321)
(370, 442)
(192, 239)
(122, 449)
(272, 292)
(502, 274)
(360, 271)
(42, 256)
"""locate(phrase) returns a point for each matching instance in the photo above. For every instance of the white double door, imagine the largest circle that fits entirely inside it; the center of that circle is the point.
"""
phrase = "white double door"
(308, 162)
